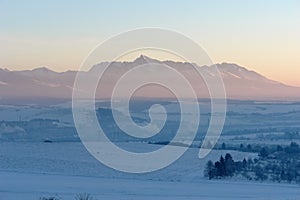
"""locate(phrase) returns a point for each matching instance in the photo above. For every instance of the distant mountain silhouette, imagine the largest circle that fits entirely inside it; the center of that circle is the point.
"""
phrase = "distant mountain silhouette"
(239, 82)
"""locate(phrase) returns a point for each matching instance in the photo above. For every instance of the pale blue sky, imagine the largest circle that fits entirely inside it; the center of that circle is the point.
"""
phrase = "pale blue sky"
(260, 35)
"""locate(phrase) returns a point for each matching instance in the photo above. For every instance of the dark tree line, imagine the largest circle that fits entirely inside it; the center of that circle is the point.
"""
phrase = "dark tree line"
(276, 164)
(223, 167)
(262, 150)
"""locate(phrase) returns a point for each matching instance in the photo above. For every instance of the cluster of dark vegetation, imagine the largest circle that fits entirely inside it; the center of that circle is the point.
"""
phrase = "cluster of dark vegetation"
(49, 198)
(256, 148)
(229, 129)
(82, 196)
(280, 164)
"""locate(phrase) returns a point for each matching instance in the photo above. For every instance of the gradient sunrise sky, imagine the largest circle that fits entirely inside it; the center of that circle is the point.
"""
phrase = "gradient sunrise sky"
(260, 35)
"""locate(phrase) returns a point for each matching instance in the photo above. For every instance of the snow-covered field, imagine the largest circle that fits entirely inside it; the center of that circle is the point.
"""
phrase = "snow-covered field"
(71, 158)
(28, 186)
(31, 168)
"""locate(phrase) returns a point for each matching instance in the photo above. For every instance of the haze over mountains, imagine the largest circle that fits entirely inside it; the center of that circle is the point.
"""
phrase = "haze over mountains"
(239, 82)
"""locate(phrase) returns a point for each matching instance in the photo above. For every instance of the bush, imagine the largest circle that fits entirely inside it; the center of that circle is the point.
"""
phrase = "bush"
(84, 196)
(50, 198)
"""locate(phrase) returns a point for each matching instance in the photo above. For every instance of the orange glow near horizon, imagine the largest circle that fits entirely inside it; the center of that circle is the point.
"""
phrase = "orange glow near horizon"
(260, 35)
(273, 67)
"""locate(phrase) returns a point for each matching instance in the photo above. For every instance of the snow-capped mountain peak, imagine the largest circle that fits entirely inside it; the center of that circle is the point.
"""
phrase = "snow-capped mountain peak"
(240, 83)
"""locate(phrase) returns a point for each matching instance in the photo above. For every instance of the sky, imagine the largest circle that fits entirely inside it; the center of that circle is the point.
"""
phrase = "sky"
(263, 36)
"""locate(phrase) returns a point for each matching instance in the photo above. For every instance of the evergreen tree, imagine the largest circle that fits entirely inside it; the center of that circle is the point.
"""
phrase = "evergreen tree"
(259, 172)
(249, 147)
(222, 161)
(241, 146)
(229, 165)
(279, 148)
(263, 152)
(244, 164)
(210, 170)
(282, 175)
(223, 145)
(219, 169)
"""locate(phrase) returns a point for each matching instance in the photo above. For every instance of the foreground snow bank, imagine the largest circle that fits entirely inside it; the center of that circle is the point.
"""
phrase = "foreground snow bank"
(28, 186)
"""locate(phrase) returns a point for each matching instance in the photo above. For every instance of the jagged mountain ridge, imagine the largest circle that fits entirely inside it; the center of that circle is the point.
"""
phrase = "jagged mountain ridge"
(240, 83)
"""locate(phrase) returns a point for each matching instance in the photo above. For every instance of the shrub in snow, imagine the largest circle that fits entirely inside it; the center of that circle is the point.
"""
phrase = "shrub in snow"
(50, 198)
(84, 196)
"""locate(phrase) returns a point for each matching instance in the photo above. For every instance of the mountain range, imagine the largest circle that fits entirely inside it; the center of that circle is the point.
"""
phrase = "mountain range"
(240, 83)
